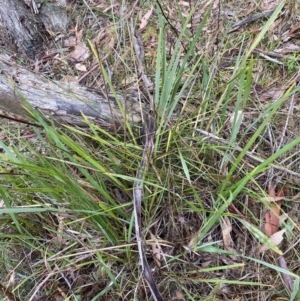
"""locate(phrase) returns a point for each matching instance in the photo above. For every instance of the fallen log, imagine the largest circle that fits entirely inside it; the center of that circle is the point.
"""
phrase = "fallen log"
(58, 101)
(64, 102)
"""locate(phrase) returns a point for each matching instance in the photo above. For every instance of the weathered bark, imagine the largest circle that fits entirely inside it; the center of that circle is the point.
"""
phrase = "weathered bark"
(19, 25)
(64, 103)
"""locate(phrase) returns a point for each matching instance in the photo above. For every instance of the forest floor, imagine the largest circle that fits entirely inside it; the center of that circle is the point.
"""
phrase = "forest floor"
(221, 193)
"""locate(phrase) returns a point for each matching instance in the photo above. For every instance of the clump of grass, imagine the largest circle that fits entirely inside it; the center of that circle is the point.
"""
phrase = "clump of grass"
(67, 193)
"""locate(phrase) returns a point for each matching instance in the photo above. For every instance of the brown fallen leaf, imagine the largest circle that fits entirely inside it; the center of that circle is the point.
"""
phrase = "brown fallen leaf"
(80, 52)
(192, 242)
(80, 67)
(145, 19)
(272, 214)
(156, 251)
(289, 34)
(275, 238)
(226, 230)
(272, 94)
(271, 230)
(288, 48)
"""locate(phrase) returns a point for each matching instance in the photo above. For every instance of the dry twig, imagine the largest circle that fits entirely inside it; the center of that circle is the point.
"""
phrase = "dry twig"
(148, 141)
(252, 18)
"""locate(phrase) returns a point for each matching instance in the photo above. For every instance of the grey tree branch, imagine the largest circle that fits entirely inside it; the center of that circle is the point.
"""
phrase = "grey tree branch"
(149, 130)
(64, 103)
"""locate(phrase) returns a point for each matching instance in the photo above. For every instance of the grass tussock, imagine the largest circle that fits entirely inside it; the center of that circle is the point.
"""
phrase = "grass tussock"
(226, 115)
